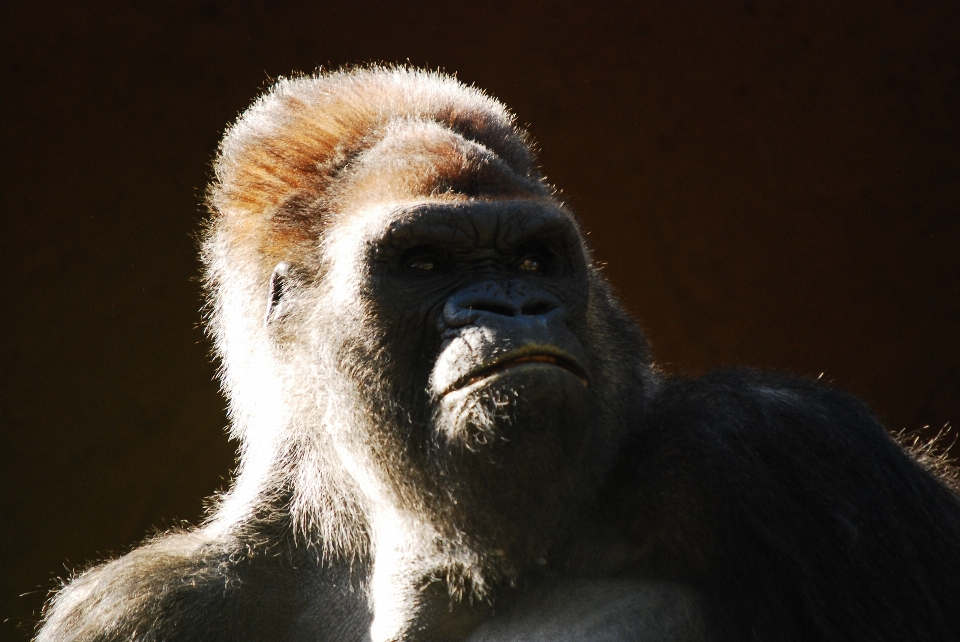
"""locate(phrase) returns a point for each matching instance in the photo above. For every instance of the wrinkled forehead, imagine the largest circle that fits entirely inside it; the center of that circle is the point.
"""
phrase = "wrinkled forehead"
(453, 224)
(475, 223)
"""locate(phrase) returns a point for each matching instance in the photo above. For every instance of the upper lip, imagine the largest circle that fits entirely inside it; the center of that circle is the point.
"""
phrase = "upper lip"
(528, 354)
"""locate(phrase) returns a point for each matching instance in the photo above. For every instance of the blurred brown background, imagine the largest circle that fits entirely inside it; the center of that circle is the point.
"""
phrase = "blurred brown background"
(774, 184)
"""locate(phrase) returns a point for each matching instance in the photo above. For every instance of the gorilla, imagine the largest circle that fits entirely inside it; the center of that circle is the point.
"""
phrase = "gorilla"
(449, 429)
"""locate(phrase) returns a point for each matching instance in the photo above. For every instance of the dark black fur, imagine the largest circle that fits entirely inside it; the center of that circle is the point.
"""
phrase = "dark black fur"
(794, 510)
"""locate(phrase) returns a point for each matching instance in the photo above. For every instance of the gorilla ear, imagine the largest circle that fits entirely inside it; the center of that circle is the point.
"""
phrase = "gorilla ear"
(281, 282)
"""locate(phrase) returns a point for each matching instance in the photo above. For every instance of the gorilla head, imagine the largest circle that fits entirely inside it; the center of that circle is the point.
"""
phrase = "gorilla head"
(432, 364)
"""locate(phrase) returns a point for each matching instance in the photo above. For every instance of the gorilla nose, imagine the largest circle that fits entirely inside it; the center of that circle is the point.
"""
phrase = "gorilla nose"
(497, 301)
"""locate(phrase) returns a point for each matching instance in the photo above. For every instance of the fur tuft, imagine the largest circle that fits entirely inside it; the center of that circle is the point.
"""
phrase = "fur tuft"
(285, 162)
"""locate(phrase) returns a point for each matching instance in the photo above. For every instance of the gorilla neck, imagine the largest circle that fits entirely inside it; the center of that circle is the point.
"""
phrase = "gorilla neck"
(413, 581)
(423, 567)
(431, 564)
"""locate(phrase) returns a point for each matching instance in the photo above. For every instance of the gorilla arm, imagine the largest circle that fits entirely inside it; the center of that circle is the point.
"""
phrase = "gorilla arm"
(790, 509)
(195, 586)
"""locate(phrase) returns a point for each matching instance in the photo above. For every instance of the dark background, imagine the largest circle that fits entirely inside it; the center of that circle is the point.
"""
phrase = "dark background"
(773, 184)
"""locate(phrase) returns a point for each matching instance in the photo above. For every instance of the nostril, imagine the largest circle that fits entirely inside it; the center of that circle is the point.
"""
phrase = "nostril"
(493, 307)
(497, 301)
(537, 308)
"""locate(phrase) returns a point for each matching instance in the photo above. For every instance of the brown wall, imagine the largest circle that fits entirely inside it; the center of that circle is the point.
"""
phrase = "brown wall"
(774, 184)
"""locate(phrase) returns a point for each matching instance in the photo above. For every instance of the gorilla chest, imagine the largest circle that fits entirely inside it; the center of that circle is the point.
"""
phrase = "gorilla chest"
(597, 610)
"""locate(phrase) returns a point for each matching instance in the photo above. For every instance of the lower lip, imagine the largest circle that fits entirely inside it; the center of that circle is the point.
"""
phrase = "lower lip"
(527, 361)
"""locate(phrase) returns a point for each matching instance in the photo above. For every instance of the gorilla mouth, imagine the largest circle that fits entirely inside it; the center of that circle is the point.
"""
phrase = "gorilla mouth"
(520, 358)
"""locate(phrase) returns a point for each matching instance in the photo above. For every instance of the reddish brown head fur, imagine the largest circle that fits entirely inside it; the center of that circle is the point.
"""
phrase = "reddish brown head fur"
(315, 147)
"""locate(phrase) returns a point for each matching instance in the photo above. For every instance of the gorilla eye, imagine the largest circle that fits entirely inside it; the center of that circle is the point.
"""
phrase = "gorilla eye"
(422, 259)
(421, 264)
(530, 264)
(533, 258)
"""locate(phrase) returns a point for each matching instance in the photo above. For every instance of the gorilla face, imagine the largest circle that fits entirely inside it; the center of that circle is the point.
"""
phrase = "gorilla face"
(499, 290)
(476, 314)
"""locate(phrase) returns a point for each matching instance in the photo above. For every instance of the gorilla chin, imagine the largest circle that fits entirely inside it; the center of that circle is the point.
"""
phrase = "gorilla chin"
(528, 394)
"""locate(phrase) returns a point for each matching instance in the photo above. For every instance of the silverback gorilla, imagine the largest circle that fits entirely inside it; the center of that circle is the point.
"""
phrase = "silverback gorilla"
(450, 430)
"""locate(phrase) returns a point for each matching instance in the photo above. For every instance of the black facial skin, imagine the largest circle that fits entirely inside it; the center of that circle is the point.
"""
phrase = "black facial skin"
(485, 305)
(484, 281)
